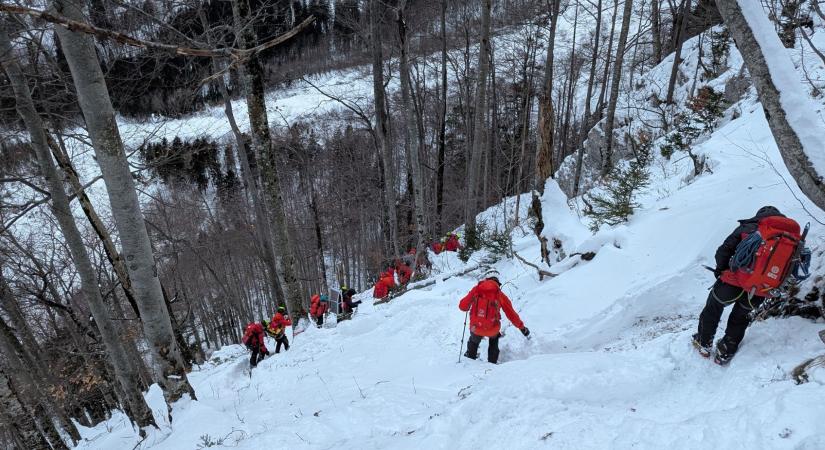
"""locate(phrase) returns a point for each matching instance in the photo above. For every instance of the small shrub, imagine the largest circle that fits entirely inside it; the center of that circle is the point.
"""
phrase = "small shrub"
(618, 201)
(704, 111)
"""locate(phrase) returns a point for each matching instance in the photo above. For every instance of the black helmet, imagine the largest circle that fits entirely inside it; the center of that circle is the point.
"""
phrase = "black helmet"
(350, 292)
(768, 211)
(281, 309)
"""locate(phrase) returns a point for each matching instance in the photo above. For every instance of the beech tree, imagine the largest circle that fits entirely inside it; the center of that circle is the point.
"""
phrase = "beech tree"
(99, 114)
(792, 122)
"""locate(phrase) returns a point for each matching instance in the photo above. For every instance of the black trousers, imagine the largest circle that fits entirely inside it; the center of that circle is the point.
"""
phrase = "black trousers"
(281, 341)
(319, 321)
(492, 347)
(257, 355)
(722, 295)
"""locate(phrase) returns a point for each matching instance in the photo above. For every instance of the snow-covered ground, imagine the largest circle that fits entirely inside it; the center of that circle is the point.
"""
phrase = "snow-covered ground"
(610, 364)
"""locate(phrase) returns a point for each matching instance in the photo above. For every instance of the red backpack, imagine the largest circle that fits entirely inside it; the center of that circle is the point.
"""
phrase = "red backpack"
(485, 313)
(251, 335)
(765, 258)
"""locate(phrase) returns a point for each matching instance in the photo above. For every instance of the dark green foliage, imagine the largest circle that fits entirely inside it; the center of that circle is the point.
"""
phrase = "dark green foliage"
(193, 162)
(498, 243)
(617, 202)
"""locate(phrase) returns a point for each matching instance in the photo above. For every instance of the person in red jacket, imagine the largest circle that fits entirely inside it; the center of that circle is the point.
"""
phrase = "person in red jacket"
(385, 282)
(452, 244)
(277, 329)
(318, 307)
(484, 303)
(404, 272)
(253, 339)
(437, 247)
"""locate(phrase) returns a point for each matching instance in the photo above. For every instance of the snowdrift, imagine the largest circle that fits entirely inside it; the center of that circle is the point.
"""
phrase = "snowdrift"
(610, 364)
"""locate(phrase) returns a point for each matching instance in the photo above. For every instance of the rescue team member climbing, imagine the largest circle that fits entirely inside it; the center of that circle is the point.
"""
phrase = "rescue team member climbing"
(751, 264)
(277, 329)
(319, 304)
(484, 303)
(253, 339)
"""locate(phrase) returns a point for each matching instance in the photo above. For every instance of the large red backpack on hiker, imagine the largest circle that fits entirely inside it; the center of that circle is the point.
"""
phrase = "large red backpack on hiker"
(485, 309)
(252, 335)
(761, 266)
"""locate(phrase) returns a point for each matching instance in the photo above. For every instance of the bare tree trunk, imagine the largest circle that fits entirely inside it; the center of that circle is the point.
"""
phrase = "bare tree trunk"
(25, 383)
(112, 254)
(14, 415)
(411, 140)
(442, 131)
(381, 124)
(606, 75)
(94, 101)
(262, 141)
(677, 57)
(480, 111)
(787, 131)
(126, 373)
(607, 163)
(656, 28)
(251, 179)
(546, 119)
(586, 121)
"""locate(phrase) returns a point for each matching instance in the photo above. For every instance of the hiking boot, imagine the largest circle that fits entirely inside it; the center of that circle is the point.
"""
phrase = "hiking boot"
(703, 349)
(724, 352)
(468, 355)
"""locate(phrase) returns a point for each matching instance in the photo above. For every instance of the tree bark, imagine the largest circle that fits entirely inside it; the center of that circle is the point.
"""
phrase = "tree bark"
(587, 100)
(96, 106)
(382, 125)
(442, 130)
(607, 163)
(680, 40)
(262, 141)
(126, 373)
(479, 111)
(112, 254)
(656, 28)
(546, 119)
(411, 140)
(251, 179)
(788, 134)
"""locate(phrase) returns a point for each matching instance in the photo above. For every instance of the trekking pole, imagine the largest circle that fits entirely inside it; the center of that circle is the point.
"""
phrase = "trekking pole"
(463, 333)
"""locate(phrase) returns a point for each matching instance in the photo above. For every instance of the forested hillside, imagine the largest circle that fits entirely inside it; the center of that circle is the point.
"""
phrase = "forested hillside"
(175, 171)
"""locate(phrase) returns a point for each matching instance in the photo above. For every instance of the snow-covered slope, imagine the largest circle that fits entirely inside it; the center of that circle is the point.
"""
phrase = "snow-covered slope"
(610, 364)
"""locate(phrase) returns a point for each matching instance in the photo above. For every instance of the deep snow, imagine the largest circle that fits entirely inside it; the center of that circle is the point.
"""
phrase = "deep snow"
(610, 364)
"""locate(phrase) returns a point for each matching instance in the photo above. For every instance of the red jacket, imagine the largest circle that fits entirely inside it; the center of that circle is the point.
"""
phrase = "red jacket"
(317, 308)
(278, 324)
(404, 272)
(485, 302)
(383, 286)
(437, 247)
(254, 336)
(452, 244)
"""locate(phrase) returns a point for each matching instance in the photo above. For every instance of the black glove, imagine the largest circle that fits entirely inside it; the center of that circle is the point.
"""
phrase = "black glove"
(717, 272)
(525, 331)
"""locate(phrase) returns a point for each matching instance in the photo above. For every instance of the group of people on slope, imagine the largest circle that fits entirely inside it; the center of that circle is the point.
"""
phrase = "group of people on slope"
(319, 306)
(448, 243)
(397, 274)
(255, 332)
(753, 263)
